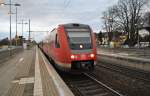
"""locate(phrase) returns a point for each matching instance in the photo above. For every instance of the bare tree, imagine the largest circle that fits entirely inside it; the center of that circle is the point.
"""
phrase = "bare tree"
(109, 17)
(129, 13)
(127, 16)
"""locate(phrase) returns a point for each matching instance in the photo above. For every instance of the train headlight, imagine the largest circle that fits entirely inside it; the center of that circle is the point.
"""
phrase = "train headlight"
(72, 57)
(81, 46)
(92, 55)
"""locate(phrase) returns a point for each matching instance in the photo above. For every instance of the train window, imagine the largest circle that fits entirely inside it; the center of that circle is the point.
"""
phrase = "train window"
(76, 39)
(57, 45)
(80, 37)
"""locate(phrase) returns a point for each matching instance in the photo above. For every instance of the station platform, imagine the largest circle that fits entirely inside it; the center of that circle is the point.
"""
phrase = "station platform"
(29, 73)
(135, 58)
(133, 54)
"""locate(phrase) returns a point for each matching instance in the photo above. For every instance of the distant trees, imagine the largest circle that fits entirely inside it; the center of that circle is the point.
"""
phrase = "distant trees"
(125, 16)
(4, 41)
(100, 36)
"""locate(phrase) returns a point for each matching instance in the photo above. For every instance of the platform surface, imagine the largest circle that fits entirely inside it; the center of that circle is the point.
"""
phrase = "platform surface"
(29, 73)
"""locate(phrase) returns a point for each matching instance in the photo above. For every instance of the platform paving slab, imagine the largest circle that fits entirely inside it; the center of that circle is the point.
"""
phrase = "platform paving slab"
(8, 72)
(24, 78)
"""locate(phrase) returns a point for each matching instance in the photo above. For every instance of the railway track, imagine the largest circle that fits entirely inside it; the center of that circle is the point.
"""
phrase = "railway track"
(87, 85)
(129, 72)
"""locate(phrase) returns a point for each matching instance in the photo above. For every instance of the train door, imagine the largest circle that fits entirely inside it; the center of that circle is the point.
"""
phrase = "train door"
(57, 47)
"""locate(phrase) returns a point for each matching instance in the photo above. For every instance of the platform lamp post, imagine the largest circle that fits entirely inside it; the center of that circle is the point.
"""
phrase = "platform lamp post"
(29, 32)
(10, 12)
(138, 27)
(16, 21)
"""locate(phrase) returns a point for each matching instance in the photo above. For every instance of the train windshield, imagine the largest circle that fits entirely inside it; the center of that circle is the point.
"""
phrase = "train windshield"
(79, 40)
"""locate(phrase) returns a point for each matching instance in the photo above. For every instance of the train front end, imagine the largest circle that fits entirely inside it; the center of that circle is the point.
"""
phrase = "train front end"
(82, 47)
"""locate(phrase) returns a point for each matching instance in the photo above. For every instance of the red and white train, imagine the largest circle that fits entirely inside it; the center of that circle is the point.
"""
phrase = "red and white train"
(71, 46)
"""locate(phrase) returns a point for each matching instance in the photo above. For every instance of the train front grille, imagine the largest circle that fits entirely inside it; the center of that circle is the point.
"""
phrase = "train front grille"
(82, 64)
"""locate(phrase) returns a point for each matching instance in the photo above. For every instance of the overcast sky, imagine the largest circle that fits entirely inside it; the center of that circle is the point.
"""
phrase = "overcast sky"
(47, 14)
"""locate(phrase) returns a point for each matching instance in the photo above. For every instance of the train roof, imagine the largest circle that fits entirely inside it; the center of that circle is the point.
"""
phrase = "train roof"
(75, 25)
